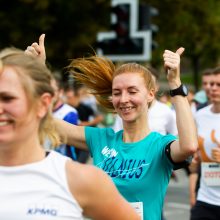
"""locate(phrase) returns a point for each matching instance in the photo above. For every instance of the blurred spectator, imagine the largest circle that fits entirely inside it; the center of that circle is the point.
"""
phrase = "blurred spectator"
(87, 117)
(202, 97)
(165, 98)
(63, 111)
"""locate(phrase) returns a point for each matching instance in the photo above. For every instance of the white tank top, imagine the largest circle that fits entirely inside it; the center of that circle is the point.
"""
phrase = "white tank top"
(37, 191)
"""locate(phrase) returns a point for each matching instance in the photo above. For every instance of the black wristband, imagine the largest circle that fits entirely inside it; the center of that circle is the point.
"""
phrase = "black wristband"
(181, 90)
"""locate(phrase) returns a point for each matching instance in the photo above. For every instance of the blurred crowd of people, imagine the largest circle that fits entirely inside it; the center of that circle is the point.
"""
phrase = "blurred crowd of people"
(113, 117)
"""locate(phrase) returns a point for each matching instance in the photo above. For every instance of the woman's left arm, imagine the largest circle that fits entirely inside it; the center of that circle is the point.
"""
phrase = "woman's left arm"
(187, 143)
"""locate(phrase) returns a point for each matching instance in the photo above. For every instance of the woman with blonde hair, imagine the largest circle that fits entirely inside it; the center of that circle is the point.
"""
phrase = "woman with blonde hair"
(139, 161)
(35, 184)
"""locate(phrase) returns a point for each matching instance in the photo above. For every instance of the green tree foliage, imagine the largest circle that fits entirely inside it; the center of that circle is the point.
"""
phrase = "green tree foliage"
(194, 25)
(70, 25)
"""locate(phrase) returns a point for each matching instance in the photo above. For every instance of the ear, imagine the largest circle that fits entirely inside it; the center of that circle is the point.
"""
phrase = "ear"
(44, 104)
(150, 96)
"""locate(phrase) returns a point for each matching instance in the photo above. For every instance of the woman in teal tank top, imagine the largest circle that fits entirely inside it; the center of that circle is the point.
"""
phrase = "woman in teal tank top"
(139, 161)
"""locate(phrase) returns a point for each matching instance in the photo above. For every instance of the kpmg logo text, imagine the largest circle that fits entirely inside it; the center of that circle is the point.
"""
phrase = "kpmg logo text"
(42, 211)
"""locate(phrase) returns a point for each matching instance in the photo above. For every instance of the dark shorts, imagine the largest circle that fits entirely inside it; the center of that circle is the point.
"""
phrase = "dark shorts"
(205, 211)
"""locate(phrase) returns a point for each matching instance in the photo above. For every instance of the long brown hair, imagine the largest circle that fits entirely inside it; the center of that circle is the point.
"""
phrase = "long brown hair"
(97, 73)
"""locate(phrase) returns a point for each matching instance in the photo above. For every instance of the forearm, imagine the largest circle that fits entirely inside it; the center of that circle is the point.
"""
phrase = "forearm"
(185, 125)
(193, 177)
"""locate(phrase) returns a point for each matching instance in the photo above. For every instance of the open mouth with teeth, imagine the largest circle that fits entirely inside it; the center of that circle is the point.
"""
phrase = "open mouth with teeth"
(126, 109)
(4, 123)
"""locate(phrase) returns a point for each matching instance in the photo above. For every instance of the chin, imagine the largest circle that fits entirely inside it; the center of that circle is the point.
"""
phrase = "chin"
(215, 101)
(128, 119)
(4, 142)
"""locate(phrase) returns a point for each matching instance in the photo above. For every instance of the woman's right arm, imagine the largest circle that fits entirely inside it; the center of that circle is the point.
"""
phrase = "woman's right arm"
(71, 134)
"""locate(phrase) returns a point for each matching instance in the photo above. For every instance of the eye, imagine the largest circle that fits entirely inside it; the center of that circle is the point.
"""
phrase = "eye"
(214, 83)
(116, 92)
(7, 98)
(132, 92)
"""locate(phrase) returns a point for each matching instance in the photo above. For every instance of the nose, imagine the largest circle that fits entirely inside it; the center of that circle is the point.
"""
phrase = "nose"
(213, 85)
(124, 97)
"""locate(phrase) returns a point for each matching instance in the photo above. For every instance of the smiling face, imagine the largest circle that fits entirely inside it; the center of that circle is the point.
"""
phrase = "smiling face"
(130, 96)
(17, 122)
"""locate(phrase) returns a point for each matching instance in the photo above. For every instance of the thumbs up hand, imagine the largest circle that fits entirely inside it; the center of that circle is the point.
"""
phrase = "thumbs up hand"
(172, 66)
(216, 154)
(37, 49)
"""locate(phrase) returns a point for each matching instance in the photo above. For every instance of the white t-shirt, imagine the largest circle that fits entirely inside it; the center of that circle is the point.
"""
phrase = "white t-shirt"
(37, 191)
(64, 110)
(208, 126)
(160, 117)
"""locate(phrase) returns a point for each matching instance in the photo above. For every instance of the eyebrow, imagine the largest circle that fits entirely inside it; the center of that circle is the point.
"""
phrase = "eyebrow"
(130, 87)
(6, 94)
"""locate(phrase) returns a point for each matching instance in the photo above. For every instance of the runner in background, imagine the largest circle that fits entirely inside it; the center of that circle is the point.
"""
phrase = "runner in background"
(208, 120)
(202, 99)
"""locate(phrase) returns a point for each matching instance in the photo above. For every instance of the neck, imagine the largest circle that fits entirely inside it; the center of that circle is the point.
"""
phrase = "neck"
(135, 131)
(215, 108)
(21, 153)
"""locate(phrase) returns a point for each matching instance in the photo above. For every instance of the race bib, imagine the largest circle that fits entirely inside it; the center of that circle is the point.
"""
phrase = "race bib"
(138, 206)
(211, 173)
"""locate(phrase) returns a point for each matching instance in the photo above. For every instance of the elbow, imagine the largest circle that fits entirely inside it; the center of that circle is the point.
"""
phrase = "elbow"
(189, 148)
(193, 148)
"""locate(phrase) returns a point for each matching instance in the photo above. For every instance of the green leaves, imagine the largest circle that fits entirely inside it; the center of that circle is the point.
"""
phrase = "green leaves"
(70, 26)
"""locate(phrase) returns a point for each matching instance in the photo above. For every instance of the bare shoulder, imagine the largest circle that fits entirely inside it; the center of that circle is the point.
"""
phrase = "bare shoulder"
(96, 194)
(83, 173)
(84, 180)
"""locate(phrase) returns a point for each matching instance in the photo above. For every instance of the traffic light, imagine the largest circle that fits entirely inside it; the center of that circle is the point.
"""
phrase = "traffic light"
(124, 42)
(146, 14)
